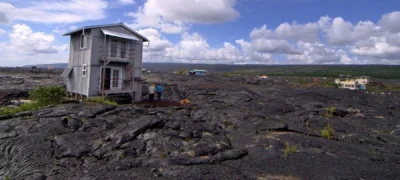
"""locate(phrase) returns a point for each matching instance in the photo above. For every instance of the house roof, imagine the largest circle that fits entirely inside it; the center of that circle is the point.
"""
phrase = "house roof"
(198, 70)
(117, 34)
(106, 25)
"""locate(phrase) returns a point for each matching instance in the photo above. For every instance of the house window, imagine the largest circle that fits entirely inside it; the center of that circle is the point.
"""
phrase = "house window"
(114, 45)
(83, 41)
(123, 49)
(84, 69)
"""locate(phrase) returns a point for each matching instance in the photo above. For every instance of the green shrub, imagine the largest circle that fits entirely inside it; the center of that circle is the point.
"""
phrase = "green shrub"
(46, 95)
(169, 112)
(229, 123)
(289, 149)
(24, 107)
(42, 96)
(102, 101)
(330, 112)
(328, 132)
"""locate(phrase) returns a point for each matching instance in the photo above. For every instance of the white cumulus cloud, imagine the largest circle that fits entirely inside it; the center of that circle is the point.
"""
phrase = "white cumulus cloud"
(285, 31)
(26, 46)
(125, 2)
(193, 48)
(68, 11)
(378, 48)
(390, 22)
(4, 18)
(316, 53)
(341, 32)
(173, 16)
(2, 32)
(23, 39)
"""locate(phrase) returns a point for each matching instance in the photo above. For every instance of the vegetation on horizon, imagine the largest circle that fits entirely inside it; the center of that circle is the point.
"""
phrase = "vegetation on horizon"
(375, 71)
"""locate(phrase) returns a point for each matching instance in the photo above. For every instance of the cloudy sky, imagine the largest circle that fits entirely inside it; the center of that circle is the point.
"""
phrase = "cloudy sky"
(212, 31)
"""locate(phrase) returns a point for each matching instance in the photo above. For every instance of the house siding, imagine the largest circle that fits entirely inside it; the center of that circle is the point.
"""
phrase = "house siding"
(89, 85)
(98, 42)
(98, 52)
(137, 70)
(79, 57)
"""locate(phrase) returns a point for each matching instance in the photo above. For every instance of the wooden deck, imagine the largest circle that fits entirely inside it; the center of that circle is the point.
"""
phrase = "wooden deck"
(115, 91)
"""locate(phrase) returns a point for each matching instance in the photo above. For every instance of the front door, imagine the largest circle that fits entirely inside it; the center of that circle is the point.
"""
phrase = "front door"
(112, 78)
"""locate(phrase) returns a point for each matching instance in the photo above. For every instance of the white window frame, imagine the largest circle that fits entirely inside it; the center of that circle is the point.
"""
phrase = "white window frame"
(84, 70)
(119, 80)
(84, 43)
(118, 50)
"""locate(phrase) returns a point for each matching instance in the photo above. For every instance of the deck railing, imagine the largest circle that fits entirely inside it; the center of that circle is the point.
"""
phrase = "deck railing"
(115, 84)
(116, 54)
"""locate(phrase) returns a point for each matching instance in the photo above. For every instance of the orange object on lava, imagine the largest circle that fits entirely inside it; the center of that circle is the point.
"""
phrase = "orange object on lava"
(185, 102)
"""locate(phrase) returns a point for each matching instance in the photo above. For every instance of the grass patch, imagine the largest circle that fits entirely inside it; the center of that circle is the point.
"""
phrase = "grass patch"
(392, 87)
(302, 81)
(228, 74)
(379, 88)
(327, 84)
(101, 100)
(41, 96)
(23, 107)
(289, 149)
(328, 132)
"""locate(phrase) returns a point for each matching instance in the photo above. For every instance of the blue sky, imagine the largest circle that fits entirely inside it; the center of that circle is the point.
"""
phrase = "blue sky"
(218, 31)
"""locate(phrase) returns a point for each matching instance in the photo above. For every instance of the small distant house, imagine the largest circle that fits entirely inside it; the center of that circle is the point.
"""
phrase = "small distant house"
(347, 82)
(197, 72)
(105, 59)
(362, 79)
(263, 77)
(145, 71)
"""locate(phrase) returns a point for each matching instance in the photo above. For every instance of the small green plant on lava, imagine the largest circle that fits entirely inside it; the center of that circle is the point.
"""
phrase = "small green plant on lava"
(328, 132)
(330, 112)
(289, 149)
(169, 113)
(229, 123)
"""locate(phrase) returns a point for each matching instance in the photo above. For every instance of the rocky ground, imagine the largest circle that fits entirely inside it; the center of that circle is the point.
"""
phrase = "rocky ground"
(236, 128)
(17, 82)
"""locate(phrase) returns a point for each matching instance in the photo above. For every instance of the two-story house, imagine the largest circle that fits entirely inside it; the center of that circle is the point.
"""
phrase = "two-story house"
(105, 59)
(357, 83)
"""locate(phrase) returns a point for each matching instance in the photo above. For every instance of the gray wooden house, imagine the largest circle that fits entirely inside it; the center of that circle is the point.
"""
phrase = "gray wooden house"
(105, 60)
